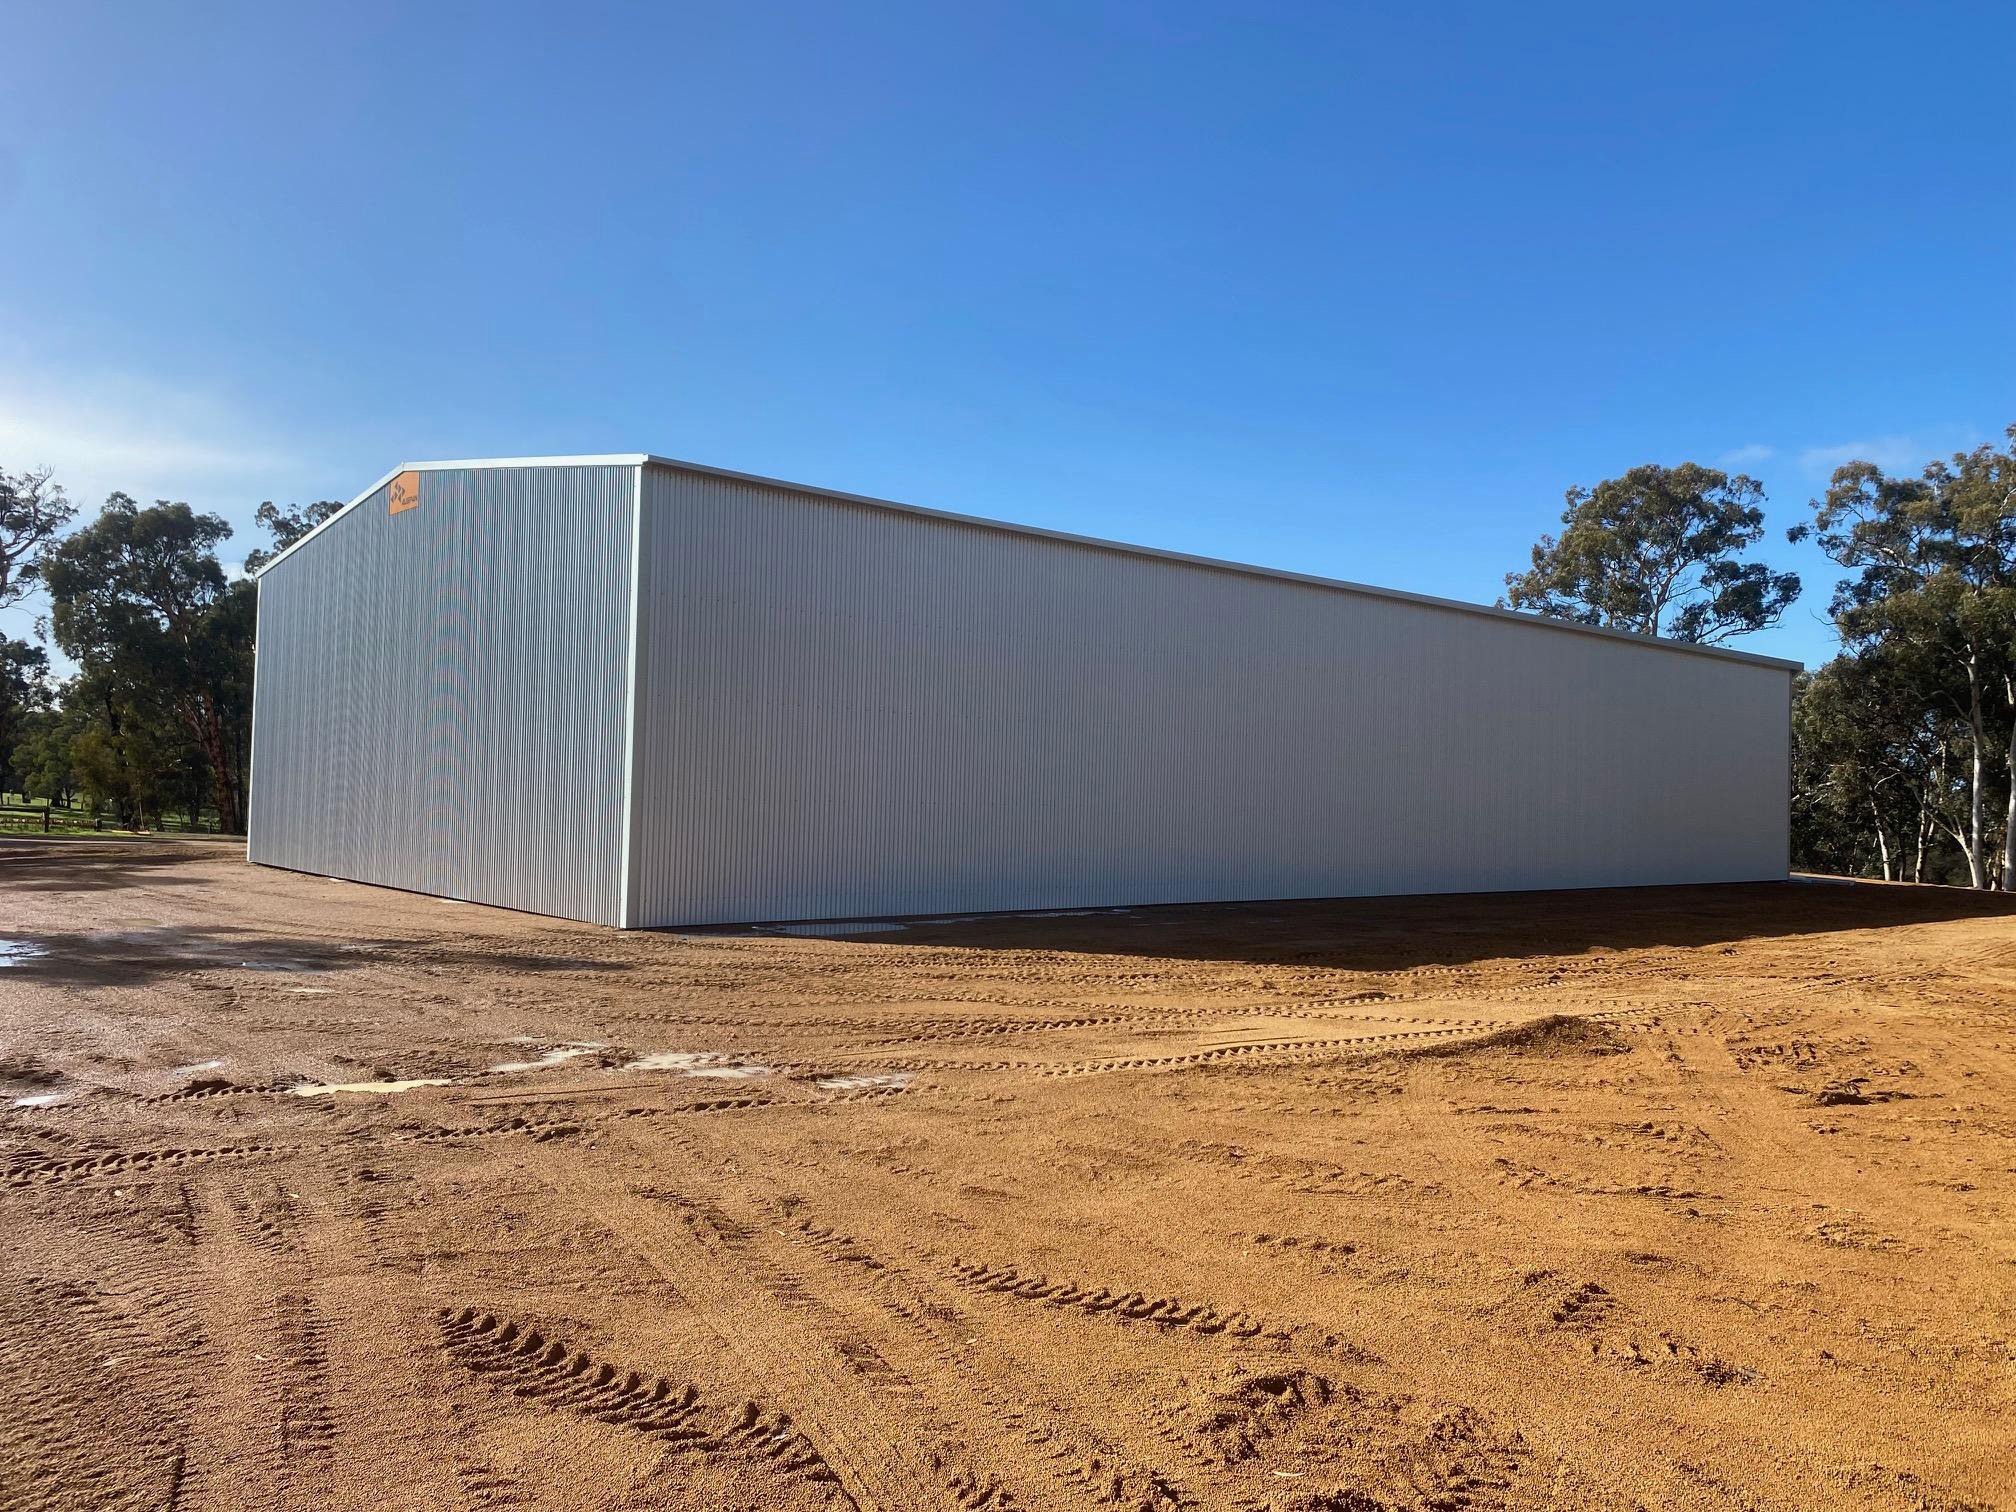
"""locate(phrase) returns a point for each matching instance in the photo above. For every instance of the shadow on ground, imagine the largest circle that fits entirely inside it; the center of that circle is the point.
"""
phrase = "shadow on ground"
(1398, 934)
(95, 866)
(135, 957)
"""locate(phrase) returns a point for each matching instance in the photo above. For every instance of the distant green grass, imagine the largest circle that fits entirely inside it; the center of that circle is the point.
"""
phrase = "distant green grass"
(20, 815)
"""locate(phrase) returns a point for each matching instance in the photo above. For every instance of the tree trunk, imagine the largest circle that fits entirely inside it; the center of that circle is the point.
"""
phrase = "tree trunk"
(1977, 869)
(2009, 818)
(224, 779)
(1882, 841)
(206, 726)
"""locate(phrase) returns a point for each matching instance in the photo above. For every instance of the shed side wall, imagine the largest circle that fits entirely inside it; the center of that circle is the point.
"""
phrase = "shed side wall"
(846, 711)
(440, 693)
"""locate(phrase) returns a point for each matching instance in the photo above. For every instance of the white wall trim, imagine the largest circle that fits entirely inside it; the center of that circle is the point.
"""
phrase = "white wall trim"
(623, 914)
(252, 734)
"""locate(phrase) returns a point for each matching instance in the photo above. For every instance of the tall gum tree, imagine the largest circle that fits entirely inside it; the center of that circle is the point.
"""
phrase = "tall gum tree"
(139, 597)
(33, 514)
(1982, 484)
(1656, 551)
(1933, 560)
(287, 526)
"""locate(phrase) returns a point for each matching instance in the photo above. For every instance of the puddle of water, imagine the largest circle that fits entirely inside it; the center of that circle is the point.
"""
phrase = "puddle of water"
(40, 1100)
(698, 1063)
(318, 1090)
(20, 952)
(194, 1066)
(832, 929)
(865, 1081)
(557, 1056)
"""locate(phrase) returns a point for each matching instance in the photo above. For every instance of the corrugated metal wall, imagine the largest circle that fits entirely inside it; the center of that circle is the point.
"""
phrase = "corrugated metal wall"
(441, 693)
(849, 711)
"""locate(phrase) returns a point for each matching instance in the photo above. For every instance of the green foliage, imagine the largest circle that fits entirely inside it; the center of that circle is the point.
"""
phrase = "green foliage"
(44, 758)
(33, 513)
(139, 600)
(124, 752)
(1878, 777)
(22, 666)
(159, 715)
(287, 526)
(1922, 703)
(1655, 551)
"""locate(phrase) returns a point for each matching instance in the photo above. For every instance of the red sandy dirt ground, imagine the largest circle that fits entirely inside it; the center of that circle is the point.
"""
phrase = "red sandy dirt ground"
(1691, 1197)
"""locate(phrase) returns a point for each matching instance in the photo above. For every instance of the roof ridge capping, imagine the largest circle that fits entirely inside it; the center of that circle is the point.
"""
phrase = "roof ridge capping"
(1125, 548)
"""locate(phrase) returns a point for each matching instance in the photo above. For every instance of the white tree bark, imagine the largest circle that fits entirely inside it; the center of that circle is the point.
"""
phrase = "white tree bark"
(1977, 863)
(2009, 819)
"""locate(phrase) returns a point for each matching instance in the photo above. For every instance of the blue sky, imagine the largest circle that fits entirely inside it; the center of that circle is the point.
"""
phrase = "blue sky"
(1354, 290)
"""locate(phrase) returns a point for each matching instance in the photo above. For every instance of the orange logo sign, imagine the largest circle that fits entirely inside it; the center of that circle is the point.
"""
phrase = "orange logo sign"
(403, 493)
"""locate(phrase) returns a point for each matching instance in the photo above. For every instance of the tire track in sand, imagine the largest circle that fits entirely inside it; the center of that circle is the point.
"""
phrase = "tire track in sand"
(864, 1435)
(1083, 1462)
(524, 1361)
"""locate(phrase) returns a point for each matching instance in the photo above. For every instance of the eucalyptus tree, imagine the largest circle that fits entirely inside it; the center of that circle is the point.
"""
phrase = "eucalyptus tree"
(22, 691)
(1982, 486)
(1872, 759)
(287, 526)
(123, 746)
(1656, 551)
(33, 513)
(139, 600)
(45, 754)
(1933, 560)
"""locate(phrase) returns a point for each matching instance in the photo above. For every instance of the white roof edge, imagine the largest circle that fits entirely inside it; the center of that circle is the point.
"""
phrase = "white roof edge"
(615, 459)
(1125, 548)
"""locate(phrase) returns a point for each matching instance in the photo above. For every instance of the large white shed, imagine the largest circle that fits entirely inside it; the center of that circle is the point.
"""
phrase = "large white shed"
(644, 692)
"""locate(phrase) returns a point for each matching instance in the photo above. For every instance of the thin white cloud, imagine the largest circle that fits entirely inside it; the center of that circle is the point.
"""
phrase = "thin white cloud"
(1745, 456)
(1904, 453)
(1894, 454)
(102, 433)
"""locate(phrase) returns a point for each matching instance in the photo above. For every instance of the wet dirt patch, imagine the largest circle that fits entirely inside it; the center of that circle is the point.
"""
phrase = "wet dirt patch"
(558, 1055)
(888, 1081)
(698, 1063)
(320, 1089)
(21, 952)
(26, 1083)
